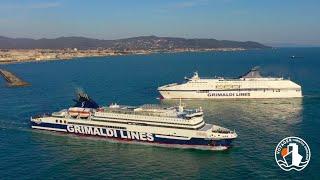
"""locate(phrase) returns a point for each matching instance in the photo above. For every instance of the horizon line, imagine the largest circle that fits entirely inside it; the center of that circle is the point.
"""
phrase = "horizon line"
(272, 44)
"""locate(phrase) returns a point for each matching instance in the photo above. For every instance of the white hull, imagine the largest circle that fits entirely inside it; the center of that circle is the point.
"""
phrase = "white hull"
(250, 86)
(263, 94)
(158, 136)
(199, 147)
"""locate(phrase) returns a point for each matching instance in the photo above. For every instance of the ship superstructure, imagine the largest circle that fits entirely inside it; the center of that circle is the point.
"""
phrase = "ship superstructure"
(249, 85)
(150, 124)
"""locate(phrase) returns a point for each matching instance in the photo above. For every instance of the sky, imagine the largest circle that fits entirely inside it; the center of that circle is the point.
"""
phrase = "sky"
(266, 21)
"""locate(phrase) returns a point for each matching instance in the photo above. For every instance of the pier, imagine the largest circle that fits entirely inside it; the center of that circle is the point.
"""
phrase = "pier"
(12, 80)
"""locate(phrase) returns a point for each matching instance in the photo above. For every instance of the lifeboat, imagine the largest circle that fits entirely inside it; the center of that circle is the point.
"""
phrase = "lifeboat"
(81, 112)
(84, 114)
(73, 113)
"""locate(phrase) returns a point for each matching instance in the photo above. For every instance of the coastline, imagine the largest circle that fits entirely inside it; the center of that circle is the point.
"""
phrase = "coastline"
(15, 56)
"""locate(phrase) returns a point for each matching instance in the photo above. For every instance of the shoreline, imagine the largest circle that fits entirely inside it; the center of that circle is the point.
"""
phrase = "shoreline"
(18, 56)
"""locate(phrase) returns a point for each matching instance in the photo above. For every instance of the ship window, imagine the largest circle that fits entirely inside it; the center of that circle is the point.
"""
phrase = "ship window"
(203, 91)
(60, 121)
(56, 121)
(65, 121)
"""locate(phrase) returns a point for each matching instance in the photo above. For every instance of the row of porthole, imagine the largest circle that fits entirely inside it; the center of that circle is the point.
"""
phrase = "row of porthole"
(142, 117)
(106, 119)
(150, 122)
(60, 121)
(274, 90)
(115, 127)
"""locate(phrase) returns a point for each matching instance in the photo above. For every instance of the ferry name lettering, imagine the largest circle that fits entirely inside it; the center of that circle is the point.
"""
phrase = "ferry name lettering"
(228, 94)
(101, 131)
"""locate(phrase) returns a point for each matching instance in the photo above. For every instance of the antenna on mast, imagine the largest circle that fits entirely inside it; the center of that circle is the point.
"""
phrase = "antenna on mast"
(180, 106)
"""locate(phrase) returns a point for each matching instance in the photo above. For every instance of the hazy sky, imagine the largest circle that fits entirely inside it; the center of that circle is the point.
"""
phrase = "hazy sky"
(266, 21)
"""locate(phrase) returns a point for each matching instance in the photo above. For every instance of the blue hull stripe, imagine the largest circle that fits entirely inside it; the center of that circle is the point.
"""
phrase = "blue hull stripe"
(161, 140)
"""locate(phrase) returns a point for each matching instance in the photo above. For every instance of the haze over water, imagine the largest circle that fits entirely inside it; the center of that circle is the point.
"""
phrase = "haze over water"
(133, 80)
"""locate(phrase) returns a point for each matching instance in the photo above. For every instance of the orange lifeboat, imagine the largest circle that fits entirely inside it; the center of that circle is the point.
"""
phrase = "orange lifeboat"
(85, 113)
(77, 111)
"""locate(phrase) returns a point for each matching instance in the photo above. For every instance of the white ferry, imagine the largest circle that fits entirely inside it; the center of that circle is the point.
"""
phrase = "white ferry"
(250, 85)
(151, 124)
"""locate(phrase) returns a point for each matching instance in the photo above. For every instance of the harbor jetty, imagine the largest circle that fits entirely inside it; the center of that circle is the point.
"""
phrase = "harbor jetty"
(12, 80)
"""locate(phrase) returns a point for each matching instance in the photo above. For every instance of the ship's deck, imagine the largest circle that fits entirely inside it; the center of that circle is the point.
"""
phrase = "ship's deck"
(206, 127)
(150, 110)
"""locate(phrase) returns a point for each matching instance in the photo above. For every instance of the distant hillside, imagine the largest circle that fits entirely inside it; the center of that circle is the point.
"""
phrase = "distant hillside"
(135, 43)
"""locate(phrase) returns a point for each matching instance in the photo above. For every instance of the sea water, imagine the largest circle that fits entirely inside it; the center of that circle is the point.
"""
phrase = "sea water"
(133, 80)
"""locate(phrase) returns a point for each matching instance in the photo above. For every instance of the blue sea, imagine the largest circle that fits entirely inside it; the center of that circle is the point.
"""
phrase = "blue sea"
(133, 80)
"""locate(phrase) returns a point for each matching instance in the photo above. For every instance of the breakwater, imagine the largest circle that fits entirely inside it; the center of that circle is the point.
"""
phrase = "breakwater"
(12, 79)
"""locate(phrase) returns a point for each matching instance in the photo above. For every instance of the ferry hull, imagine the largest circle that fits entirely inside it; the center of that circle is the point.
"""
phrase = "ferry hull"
(127, 136)
(176, 94)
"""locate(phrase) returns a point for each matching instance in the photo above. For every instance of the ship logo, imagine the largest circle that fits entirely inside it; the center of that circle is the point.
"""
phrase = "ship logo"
(292, 153)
